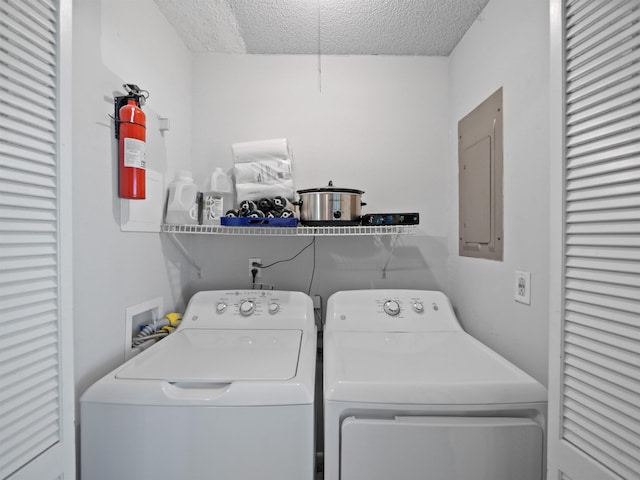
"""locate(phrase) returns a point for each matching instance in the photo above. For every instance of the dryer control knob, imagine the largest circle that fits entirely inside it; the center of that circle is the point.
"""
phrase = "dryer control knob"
(221, 307)
(274, 308)
(418, 307)
(247, 307)
(391, 307)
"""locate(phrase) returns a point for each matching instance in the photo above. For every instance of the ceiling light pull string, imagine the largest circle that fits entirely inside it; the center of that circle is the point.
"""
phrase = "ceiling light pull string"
(319, 53)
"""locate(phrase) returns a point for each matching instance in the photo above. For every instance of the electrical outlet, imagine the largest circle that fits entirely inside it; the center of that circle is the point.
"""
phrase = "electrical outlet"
(522, 292)
(251, 266)
(317, 302)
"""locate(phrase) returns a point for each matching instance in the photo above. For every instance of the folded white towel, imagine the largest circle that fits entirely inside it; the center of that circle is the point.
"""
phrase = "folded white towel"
(263, 169)
(274, 149)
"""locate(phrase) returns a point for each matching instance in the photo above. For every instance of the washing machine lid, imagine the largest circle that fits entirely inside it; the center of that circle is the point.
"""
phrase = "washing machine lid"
(446, 368)
(204, 355)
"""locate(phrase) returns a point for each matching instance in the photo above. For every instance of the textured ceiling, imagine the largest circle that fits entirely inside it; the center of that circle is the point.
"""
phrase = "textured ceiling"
(331, 27)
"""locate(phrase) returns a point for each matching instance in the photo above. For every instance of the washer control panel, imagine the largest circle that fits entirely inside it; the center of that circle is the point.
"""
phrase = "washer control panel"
(390, 310)
(249, 308)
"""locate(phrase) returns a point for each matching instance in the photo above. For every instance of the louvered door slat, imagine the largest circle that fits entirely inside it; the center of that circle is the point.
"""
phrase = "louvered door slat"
(44, 352)
(26, 36)
(605, 203)
(580, 14)
(575, 398)
(19, 77)
(30, 322)
(599, 442)
(627, 164)
(614, 278)
(604, 130)
(20, 69)
(28, 178)
(20, 127)
(33, 190)
(7, 303)
(615, 152)
(627, 109)
(574, 384)
(611, 141)
(42, 426)
(605, 175)
(614, 303)
(41, 17)
(599, 33)
(30, 381)
(579, 413)
(598, 319)
(615, 240)
(601, 228)
(588, 65)
(41, 145)
(607, 92)
(600, 75)
(600, 365)
(26, 159)
(29, 276)
(30, 55)
(27, 116)
(630, 215)
(45, 395)
(612, 265)
(624, 295)
(25, 97)
(599, 106)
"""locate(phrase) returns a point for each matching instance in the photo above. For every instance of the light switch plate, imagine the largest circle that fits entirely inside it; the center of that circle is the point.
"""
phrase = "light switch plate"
(522, 291)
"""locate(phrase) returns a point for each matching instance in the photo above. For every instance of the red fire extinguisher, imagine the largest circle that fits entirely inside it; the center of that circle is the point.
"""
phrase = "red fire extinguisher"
(131, 131)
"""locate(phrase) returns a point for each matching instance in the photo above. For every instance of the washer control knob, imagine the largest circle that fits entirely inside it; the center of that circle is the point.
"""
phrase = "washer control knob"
(247, 307)
(221, 307)
(391, 307)
(418, 307)
(274, 308)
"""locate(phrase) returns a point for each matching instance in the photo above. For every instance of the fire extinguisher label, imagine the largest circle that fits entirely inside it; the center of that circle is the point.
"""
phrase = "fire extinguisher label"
(134, 153)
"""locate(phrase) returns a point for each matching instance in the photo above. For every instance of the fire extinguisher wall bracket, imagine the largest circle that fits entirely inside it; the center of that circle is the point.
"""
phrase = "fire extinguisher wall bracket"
(130, 130)
(134, 93)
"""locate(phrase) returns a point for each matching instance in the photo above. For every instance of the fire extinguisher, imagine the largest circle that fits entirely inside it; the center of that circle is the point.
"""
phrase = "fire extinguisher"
(131, 132)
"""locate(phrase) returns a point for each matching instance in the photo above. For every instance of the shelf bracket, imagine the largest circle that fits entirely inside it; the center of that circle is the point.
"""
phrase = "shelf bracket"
(185, 253)
(393, 246)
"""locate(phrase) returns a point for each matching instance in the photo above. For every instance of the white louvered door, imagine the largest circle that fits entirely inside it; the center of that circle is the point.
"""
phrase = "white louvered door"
(594, 421)
(36, 377)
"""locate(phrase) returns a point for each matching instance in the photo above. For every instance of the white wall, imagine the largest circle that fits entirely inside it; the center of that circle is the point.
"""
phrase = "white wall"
(373, 123)
(386, 125)
(507, 47)
(112, 269)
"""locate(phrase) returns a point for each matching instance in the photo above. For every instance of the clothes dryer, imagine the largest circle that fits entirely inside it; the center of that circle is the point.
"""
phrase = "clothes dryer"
(230, 394)
(409, 395)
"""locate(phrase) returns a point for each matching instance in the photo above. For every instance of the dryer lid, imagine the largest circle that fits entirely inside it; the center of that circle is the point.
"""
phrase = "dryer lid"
(203, 355)
(446, 368)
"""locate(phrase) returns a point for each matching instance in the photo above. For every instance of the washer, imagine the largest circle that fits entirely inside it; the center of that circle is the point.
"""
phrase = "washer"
(230, 394)
(409, 395)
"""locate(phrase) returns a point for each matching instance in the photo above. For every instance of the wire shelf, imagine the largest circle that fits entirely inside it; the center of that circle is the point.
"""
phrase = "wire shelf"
(327, 230)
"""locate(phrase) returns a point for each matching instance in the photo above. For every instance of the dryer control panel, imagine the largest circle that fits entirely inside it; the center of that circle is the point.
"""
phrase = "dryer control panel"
(390, 310)
(252, 309)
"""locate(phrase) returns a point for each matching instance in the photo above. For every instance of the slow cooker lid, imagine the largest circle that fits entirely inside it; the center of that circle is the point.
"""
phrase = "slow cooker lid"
(331, 190)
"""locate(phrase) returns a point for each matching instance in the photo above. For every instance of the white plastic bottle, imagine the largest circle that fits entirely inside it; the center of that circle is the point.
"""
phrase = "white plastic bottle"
(219, 199)
(182, 206)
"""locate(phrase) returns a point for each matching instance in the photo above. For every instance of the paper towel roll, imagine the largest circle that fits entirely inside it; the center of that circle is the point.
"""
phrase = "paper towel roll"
(274, 149)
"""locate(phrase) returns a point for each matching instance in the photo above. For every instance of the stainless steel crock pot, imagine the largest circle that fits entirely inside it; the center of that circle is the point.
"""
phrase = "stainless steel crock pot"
(330, 205)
